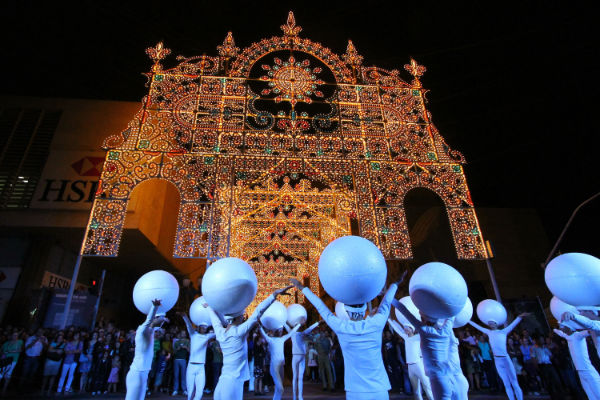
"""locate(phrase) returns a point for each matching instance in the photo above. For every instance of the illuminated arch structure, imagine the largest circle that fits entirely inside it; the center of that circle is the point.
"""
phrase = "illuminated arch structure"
(277, 150)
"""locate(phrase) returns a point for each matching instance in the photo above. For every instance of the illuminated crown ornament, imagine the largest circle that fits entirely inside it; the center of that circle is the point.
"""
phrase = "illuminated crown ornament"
(415, 70)
(352, 57)
(228, 48)
(158, 53)
(290, 29)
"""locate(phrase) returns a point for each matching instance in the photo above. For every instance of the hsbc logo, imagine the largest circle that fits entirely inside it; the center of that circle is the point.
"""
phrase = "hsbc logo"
(88, 166)
(82, 186)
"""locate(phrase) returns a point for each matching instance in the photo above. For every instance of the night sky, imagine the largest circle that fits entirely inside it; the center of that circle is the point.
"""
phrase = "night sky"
(514, 88)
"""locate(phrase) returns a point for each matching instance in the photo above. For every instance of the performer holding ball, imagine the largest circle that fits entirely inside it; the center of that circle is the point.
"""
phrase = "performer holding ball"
(195, 374)
(277, 358)
(232, 339)
(494, 314)
(137, 376)
(297, 316)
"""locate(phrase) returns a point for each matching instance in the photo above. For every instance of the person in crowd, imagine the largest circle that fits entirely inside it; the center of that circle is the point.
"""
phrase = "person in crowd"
(275, 344)
(313, 364)
(260, 355)
(473, 369)
(85, 365)
(199, 339)
(547, 371)
(360, 340)
(34, 345)
(113, 376)
(323, 347)
(487, 364)
(73, 349)
(142, 361)
(181, 352)
(11, 350)
(162, 359)
(391, 362)
(54, 357)
(337, 359)
(99, 374)
(233, 341)
(217, 362)
(127, 351)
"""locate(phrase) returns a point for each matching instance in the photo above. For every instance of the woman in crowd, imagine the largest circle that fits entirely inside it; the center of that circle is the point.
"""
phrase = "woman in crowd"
(73, 349)
(54, 356)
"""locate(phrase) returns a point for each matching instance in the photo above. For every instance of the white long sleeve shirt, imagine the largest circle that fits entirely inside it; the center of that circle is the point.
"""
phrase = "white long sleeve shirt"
(233, 341)
(497, 336)
(434, 342)
(453, 356)
(276, 344)
(198, 343)
(144, 344)
(299, 339)
(361, 344)
(412, 344)
(587, 323)
(578, 349)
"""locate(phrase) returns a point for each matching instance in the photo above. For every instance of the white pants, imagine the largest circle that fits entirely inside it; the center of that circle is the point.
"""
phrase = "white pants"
(441, 386)
(298, 365)
(251, 381)
(70, 369)
(506, 370)
(590, 380)
(418, 379)
(136, 384)
(195, 379)
(367, 395)
(461, 387)
(276, 370)
(229, 388)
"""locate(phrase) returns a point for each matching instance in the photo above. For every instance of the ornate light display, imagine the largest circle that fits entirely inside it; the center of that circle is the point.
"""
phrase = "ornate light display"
(278, 149)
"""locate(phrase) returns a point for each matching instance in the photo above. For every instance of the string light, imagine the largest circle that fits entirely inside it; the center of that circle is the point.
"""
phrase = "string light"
(278, 149)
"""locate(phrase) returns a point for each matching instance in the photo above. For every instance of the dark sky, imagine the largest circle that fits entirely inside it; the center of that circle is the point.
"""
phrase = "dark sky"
(513, 84)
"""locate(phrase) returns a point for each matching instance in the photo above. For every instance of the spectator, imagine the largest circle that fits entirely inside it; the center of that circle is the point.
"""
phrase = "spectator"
(34, 346)
(260, 355)
(313, 365)
(73, 349)
(113, 377)
(54, 357)
(217, 362)
(100, 372)
(11, 349)
(85, 364)
(488, 364)
(323, 347)
(181, 352)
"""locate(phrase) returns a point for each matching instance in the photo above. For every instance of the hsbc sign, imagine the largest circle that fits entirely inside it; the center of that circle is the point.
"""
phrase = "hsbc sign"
(69, 180)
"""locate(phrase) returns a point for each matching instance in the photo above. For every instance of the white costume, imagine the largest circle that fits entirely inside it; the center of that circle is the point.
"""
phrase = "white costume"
(504, 365)
(277, 359)
(414, 361)
(590, 380)
(235, 352)
(593, 326)
(435, 341)
(195, 373)
(137, 377)
(365, 377)
(298, 359)
(461, 384)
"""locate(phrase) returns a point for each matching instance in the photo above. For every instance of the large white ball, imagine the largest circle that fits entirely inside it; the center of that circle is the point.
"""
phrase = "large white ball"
(575, 279)
(340, 311)
(559, 307)
(438, 290)
(229, 285)
(274, 317)
(491, 310)
(152, 285)
(408, 303)
(465, 315)
(296, 314)
(198, 313)
(352, 270)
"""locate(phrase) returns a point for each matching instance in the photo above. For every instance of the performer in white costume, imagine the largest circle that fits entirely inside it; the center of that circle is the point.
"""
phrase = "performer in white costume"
(435, 342)
(195, 374)
(365, 377)
(590, 380)
(414, 359)
(137, 377)
(277, 358)
(299, 358)
(504, 364)
(232, 339)
(461, 384)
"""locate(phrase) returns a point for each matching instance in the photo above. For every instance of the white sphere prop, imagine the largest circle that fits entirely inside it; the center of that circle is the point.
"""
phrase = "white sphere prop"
(296, 314)
(340, 311)
(491, 310)
(352, 270)
(438, 290)
(408, 303)
(575, 279)
(274, 317)
(157, 284)
(199, 314)
(559, 307)
(464, 316)
(229, 285)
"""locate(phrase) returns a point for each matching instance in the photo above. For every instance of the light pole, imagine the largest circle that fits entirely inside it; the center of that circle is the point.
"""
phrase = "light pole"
(562, 234)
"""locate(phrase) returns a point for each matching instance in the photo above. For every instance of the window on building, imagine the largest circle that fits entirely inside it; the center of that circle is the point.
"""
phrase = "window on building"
(25, 137)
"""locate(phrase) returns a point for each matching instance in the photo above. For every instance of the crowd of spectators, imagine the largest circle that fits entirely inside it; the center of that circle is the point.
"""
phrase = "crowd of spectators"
(80, 360)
